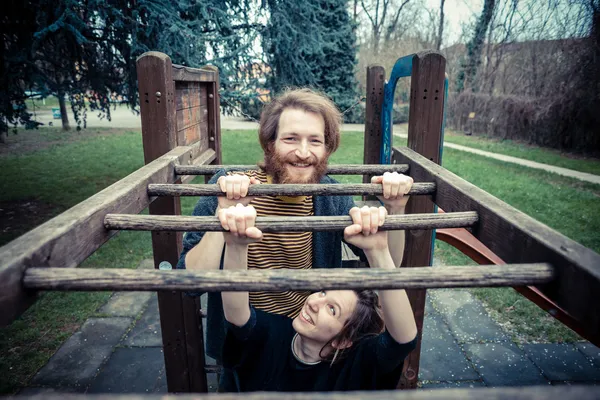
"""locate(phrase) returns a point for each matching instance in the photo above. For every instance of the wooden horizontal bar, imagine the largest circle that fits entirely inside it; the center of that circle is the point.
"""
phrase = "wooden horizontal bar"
(338, 169)
(91, 279)
(547, 392)
(285, 224)
(205, 158)
(317, 189)
(517, 238)
(187, 74)
(469, 245)
(69, 238)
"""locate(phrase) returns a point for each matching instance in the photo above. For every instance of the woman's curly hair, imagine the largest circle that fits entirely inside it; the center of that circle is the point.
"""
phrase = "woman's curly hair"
(366, 320)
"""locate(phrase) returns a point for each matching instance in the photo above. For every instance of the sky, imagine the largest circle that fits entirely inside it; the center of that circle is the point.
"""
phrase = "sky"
(456, 12)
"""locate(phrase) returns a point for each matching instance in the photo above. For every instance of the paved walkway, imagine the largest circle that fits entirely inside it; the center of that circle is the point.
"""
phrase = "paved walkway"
(401, 131)
(120, 351)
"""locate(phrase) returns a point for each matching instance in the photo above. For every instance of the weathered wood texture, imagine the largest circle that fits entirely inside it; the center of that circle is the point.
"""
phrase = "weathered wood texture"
(205, 74)
(159, 136)
(424, 136)
(214, 115)
(206, 157)
(194, 340)
(286, 224)
(339, 169)
(69, 238)
(286, 189)
(373, 131)
(284, 279)
(157, 103)
(191, 113)
(465, 242)
(581, 392)
(516, 237)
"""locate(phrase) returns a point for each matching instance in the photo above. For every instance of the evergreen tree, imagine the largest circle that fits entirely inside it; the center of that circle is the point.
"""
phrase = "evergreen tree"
(86, 49)
(16, 36)
(312, 43)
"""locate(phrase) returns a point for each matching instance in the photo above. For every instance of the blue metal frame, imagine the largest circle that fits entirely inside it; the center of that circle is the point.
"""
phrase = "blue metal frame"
(402, 68)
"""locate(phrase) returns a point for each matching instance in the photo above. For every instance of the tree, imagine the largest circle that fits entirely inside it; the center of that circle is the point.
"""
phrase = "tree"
(470, 66)
(438, 42)
(377, 15)
(16, 36)
(312, 44)
(86, 49)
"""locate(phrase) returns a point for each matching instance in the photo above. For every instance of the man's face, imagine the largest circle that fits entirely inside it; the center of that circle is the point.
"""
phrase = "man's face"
(299, 154)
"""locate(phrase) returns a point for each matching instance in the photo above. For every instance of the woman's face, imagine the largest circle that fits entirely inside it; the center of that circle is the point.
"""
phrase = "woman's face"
(324, 314)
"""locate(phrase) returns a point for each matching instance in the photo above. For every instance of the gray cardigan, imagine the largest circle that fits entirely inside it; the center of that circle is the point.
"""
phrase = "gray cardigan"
(327, 253)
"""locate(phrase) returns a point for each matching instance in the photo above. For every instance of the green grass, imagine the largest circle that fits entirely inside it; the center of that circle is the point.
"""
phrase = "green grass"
(50, 102)
(567, 205)
(65, 173)
(525, 151)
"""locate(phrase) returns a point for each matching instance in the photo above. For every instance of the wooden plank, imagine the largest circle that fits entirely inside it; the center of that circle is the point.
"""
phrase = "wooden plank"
(214, 115)
(195, 133)
(194, 338)
(159, 134)
(191, 116)
(286, 224)
(69, 238)
(89, 279)
(189, 95)
(157, 109)
(581, 392)
(424, 136)
(339, 169)
(373, 131)
(187, 74)
(191, 109)
(287, 189)
(466, 243)
(516, 237)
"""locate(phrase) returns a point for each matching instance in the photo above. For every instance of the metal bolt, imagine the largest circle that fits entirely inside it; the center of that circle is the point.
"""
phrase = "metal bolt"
(210, 96)
(212, 138)
(158, 94)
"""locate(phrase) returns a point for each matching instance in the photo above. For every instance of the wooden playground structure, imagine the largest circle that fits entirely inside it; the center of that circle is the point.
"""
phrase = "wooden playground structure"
(182, 138)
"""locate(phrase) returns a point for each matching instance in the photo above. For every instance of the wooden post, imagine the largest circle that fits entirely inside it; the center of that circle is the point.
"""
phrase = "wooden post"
(157, 107)
(373, 132)
(214, 116)
(424, 136)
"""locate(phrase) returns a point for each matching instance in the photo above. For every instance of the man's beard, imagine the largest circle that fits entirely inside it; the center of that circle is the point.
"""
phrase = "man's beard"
(277, 166)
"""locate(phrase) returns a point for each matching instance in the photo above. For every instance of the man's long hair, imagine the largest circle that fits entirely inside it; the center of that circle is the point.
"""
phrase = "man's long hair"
(302, 99)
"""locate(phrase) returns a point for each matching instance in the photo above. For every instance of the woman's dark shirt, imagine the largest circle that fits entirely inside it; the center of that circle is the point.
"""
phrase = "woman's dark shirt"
(259, 355)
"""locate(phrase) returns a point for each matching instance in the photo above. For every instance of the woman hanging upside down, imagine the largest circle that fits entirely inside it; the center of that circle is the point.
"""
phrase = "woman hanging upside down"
(339, 341)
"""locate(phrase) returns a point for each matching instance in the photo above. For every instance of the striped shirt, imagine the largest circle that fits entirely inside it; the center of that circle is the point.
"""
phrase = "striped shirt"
(290, 250)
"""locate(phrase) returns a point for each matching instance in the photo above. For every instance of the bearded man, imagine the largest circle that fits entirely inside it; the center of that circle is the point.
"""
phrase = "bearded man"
(298, 132)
